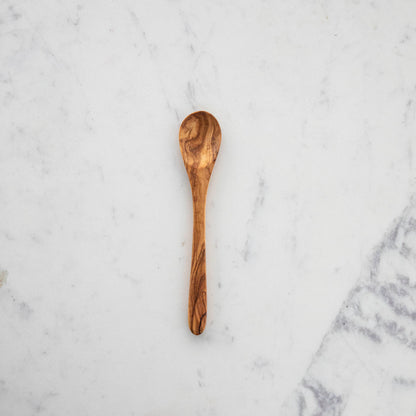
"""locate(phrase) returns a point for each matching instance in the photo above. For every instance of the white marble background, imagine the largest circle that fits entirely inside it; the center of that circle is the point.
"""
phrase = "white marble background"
(317, 104)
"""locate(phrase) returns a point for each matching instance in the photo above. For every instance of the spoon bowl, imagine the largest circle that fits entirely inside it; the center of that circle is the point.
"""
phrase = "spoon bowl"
(199, 140)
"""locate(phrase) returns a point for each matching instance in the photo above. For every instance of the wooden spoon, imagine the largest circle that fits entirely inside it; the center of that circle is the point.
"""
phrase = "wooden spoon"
(199, 139)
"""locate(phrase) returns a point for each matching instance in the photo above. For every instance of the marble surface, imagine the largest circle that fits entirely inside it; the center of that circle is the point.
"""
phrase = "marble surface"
(311, 222)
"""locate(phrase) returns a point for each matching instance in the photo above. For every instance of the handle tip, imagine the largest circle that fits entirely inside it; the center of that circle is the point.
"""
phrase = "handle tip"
(196, 325)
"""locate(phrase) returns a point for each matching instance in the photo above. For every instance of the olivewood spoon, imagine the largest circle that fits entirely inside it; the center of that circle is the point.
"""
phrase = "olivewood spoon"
(199, 139)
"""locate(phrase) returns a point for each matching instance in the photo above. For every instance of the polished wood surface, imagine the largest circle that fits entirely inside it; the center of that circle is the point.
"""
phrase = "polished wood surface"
(199, 140)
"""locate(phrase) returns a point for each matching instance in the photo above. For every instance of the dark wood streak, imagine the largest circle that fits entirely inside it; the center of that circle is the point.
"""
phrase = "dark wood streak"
(199, 139)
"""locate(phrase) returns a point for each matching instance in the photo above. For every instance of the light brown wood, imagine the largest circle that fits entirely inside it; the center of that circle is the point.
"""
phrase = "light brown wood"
(199, 140)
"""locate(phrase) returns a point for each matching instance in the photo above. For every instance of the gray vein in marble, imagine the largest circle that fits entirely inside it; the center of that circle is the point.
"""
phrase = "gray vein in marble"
(326, 399)
(136, 22)
(258, 203)
(379, 311)
(190, 94)
(152, 49)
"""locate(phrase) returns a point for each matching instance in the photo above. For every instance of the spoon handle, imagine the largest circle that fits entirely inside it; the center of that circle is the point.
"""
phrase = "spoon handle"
(197, 307)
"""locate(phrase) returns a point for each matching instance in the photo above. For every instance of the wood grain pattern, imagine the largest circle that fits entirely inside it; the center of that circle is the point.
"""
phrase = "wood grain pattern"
(199, 140)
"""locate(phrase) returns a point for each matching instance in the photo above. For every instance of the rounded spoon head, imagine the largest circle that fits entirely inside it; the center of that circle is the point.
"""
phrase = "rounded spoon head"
(199, 140)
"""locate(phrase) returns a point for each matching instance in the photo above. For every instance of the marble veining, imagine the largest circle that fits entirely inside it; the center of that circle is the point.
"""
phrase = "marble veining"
(376, 323)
